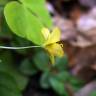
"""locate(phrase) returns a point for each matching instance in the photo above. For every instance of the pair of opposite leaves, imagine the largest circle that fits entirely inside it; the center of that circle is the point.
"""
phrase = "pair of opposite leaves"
(28, 18)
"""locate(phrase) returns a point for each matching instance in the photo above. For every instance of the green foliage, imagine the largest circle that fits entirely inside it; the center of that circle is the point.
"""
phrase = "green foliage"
(10, 78)
(44, 81)
(93, 93)
(7, 92)
(76, 83)
(57, 75)
(24, 27)
(7, 66)
(8, 81)
(61, 63)
(41, 60)
(40, 10)
(25, 23)
(58, 86)
(27, 67)
(20, 23)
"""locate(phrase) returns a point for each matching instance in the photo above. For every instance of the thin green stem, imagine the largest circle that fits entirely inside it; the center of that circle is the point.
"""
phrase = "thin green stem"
(16, 48)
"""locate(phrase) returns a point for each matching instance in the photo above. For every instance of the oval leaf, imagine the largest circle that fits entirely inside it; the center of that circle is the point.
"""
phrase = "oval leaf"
(40, 10)
(23, 23)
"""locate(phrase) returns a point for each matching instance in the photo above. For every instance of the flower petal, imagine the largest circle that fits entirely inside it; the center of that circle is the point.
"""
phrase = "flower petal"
(55, 49)
(54, 36)
(45, 33)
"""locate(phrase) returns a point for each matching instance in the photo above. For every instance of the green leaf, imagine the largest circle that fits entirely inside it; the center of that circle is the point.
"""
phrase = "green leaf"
(38, 7)
(27, 67)
(8, 81)
(61, 64)
(19, 77)
(23, 23)
(7, 66)
(58, 86)
(76, 83)
(41, 60)
(8, 85)
(44, 81)
(7, 92)
(63, 76)
(73, 80)
(93, 93)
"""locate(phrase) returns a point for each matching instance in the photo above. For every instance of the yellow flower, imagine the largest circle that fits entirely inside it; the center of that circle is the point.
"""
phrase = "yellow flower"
(51, 43)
